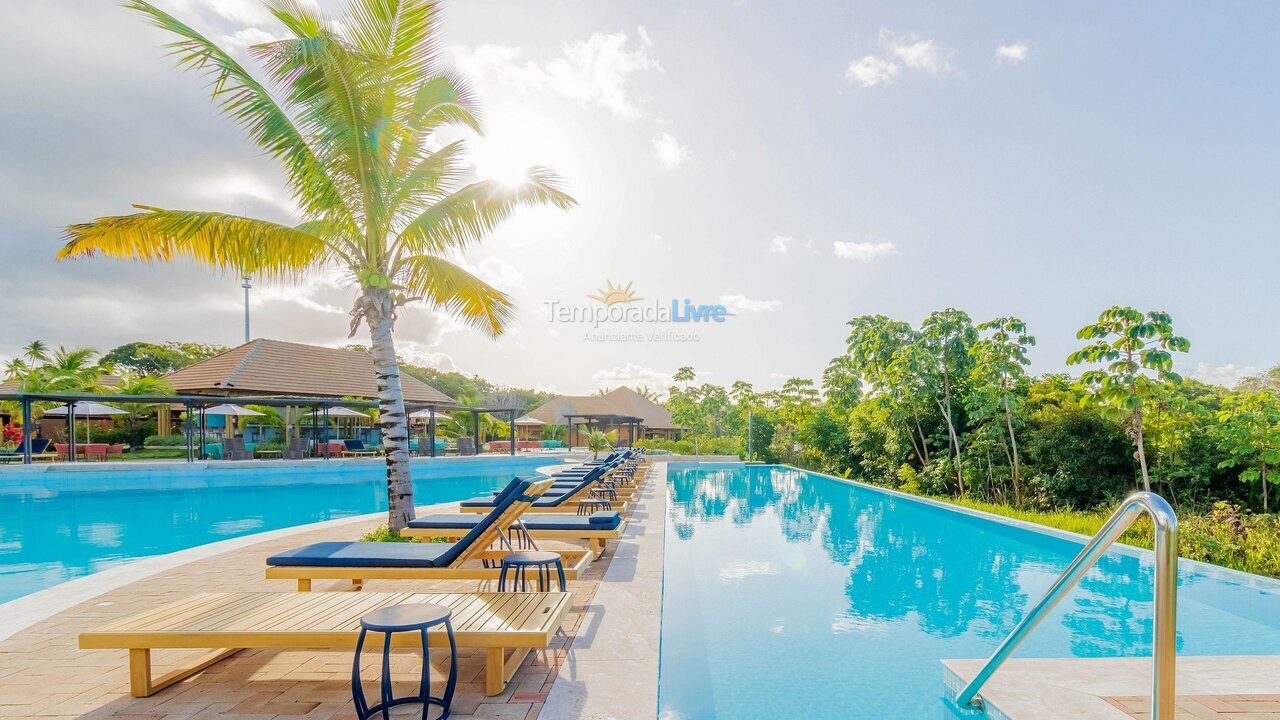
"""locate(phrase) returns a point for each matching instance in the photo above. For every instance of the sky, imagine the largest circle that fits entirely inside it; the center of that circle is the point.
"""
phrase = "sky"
(798, 163)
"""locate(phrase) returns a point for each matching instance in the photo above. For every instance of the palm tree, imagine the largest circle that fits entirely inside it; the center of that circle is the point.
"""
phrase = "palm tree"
(351, 118)
(140, 385)
(599, 441)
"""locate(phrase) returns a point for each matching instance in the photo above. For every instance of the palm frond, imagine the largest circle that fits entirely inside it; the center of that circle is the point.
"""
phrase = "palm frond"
(334, 87)
(223, 241)
(443, 284)
(466, 216)
(400, 34)
(239, 96)
(427, 178)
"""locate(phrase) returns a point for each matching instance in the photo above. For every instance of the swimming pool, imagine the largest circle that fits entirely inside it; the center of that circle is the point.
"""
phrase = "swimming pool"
(58, 524)
(789, 594)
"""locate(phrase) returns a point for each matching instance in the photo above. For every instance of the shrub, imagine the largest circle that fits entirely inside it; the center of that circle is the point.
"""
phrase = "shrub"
(384, 534)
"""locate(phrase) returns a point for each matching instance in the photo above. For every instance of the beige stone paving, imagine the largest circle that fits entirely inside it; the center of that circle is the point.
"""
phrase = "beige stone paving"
(45, 676)
(1207, 707)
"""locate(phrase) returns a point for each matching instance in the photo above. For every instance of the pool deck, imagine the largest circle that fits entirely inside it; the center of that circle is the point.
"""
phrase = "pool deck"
(603, 665)
(1234, 688)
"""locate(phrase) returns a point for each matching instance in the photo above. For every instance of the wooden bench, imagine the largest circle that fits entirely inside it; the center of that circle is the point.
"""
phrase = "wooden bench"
(495, 622)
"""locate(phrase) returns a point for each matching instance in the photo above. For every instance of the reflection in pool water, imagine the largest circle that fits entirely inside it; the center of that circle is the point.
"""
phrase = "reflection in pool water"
(788, 594)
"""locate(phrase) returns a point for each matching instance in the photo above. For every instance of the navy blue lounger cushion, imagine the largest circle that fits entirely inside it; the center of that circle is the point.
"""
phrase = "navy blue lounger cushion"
(602, 520)
(544, 501)
(376, 554)
(363, 554)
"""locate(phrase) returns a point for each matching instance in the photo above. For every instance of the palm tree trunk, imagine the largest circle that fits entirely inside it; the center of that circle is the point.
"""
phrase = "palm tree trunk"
(379, 312)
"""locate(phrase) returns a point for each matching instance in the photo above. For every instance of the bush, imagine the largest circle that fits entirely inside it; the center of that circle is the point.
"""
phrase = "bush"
(385, 534)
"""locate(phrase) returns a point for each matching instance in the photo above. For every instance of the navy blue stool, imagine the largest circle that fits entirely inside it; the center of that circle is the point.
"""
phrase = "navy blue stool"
(405, 618)
(522, 561)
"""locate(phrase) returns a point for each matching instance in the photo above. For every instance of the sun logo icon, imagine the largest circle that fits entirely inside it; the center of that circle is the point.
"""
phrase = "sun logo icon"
(612, 294)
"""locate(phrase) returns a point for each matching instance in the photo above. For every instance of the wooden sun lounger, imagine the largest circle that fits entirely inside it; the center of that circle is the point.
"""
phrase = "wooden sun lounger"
(496, 622)
(595, 538)
(575, 563)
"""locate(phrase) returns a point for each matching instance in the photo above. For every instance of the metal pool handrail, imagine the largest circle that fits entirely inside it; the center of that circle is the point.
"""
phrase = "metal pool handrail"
(1164, 646)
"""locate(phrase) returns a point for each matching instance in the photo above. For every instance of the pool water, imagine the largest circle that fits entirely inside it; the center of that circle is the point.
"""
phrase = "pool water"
(788, 594)
(57, 525)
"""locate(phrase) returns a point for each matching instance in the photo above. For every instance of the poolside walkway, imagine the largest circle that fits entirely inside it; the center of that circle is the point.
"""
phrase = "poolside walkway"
(1209, 688)
(43, 674)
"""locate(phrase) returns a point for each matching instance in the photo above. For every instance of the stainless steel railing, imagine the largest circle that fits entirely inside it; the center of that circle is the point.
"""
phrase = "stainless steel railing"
(1164, 645)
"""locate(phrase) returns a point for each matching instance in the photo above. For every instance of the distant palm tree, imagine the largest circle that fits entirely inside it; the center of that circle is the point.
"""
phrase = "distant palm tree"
(352, 121)
(140, 385)
(66, 370)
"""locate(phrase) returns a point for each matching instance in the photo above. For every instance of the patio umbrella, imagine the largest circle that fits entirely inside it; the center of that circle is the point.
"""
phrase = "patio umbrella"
(230, 410)
(426, 414)
(528, 420)
(233, 410)
(341, 412)
(337, 411)
(86, 409)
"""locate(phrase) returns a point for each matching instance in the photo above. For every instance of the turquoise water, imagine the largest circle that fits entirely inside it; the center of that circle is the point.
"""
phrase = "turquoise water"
(61, 524)
(792, 595)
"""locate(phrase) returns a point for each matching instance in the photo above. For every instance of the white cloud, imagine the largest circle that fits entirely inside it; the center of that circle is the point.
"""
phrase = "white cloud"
(899, 51)
(780, 244)
(871, 71)
(669, 150)
(594, 71)
(864, 252)
(632, 375)
(924, 55)
(1014, 53)
(744, 304)
(1225, 375)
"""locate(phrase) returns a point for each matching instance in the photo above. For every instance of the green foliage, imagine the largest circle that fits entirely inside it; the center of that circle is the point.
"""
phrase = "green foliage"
(1136, 351)
(1249, 428)
(598, 441)
(1225, 535)
(384, 534)
(146, 358)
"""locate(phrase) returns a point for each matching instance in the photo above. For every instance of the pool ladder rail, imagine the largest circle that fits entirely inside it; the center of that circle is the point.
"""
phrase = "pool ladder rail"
(1164, 645)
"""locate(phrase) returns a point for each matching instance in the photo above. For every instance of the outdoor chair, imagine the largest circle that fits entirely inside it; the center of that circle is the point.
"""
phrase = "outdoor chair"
(234, 449)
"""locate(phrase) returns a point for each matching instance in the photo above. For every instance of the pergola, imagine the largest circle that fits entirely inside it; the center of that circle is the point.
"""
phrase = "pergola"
(195, 405)
(601, 419)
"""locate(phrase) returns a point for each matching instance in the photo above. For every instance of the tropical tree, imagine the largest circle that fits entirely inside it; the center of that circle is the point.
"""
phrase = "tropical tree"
(684, 374)
(1137, 351)
(140, 385)
(941, 358)
(598, 441)
(876, 346)
(350, 109)
(999, 369)
(1249, 425)
(151, 359)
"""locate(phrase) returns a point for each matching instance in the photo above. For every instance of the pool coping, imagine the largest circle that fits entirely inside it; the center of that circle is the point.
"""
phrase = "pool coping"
(611, 669)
